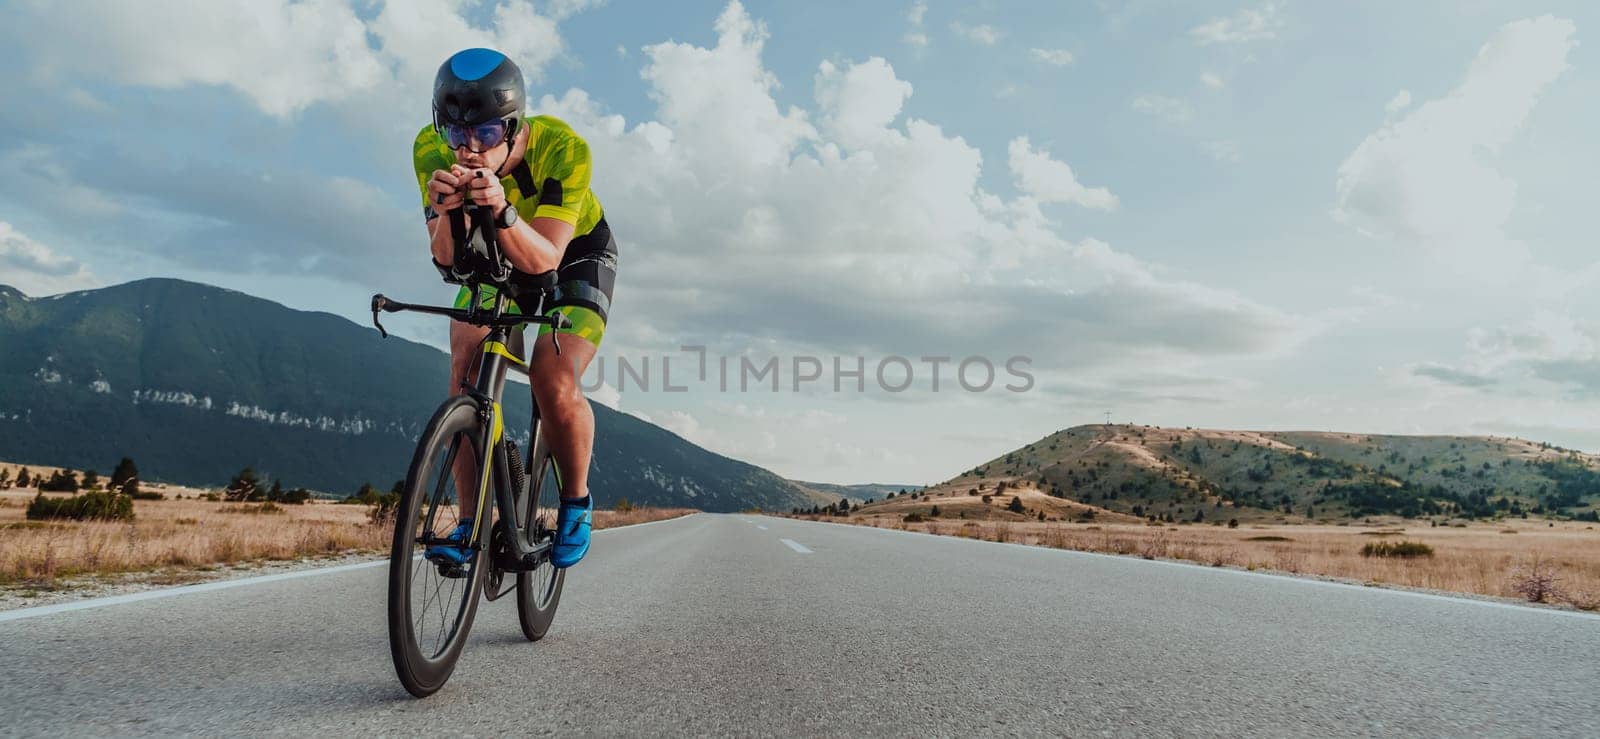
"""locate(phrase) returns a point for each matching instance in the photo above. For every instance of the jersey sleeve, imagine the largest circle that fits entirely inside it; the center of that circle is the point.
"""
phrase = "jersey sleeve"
(564, 183)
(427, 155)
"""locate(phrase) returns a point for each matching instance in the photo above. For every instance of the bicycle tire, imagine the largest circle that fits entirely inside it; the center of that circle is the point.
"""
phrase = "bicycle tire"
(423, 674)
(539, 590)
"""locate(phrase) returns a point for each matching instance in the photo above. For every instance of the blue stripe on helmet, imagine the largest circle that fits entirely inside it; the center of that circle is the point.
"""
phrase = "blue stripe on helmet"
(472, 64)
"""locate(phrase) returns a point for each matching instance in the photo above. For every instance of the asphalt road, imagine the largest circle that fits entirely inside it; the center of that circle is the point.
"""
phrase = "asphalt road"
(744, 625)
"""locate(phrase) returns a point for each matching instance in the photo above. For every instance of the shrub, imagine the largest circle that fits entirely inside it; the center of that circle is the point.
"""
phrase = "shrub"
(1269, 537)
(91, 505)
(1016, 505)
(367, 495)
(1396, 549)
(61, 481)
(1535, 579)
(623, 505)
(913, 517)
(935, 512)
(383, 511)
(1233, 523)
(245, 486)
(126, 470)
(268, 507)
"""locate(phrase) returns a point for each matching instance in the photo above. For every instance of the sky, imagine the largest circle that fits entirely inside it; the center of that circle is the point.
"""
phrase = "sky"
(1013, 217)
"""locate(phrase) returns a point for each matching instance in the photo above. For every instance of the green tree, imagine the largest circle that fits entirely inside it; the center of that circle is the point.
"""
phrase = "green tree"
(61, 481)
(5, 479)
(23, 479)
(91, 480)
(244, 486)
(934, 512)
(1016, 505)
(126, 470)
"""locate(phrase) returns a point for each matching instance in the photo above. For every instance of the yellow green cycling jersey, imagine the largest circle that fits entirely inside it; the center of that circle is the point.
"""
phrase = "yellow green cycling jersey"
(552, 181)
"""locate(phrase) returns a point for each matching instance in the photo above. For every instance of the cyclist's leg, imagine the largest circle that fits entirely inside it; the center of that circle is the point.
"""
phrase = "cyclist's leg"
(566, 416)
(465, 351)
(583, 295)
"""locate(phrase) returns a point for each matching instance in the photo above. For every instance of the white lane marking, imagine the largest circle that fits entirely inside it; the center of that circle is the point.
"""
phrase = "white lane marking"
(113, 600)
(797, 546)
(1223, 571)
(759, 526)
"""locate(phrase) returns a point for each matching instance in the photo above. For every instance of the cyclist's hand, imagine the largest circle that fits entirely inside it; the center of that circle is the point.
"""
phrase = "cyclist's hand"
(444, 190)
(485, 189)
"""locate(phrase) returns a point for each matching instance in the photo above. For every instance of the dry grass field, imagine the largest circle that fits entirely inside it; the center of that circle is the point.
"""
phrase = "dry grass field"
(1525, 559)
(177, 538)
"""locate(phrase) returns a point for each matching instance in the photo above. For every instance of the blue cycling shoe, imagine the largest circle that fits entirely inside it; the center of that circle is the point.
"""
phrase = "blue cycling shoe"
(457, 554)
(572, 532)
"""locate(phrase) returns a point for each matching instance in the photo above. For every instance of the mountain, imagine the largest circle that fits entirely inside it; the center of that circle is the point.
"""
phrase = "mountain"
(195, 382)
(1295, 475)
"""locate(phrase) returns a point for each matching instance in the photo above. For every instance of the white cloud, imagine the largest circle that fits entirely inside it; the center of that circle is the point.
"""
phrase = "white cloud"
(1212, 80)
(277, 53)
(718, 101)
(1550, 349)
(607, 396)
(1050, 181)
(982, 33)
(916, 13)
(1399, 102)
(1169, 109)
(1427, 177)
(860, 103)
(1008, 90)
(914, 36)
(1225, 150)
(563, 9)
(35, 268)
(1054, 57)
(1249, 24)
(850, 210)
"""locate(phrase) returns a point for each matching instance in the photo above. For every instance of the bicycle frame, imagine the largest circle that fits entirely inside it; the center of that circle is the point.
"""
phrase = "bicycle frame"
(495, 360)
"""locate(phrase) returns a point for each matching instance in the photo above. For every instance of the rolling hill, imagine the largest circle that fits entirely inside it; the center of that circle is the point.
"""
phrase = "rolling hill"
(1206, 474)
(195, 382)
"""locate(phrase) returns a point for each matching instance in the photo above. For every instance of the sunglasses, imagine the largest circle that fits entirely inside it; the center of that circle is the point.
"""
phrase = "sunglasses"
(476, 138)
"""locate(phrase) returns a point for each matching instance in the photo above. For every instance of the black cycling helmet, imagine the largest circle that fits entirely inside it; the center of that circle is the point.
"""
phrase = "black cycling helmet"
(477, 86)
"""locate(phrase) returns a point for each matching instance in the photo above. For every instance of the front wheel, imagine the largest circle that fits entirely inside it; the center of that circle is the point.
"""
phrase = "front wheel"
(432, 603)
(539, 590)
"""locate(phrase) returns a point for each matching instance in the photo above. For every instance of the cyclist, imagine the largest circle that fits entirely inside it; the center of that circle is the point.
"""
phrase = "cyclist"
(533, 174)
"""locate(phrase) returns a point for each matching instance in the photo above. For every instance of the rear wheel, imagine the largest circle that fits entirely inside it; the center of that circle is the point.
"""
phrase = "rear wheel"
(539, 590)
(431, 604)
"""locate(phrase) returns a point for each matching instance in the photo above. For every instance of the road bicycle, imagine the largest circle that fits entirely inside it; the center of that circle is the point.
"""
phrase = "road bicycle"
(432, 600)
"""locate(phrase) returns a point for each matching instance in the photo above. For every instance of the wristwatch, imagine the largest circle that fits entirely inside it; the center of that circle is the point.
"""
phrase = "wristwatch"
(507, 217)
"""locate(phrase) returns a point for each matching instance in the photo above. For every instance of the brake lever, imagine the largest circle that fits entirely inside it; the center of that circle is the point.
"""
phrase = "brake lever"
(378, 303)
(558, 322)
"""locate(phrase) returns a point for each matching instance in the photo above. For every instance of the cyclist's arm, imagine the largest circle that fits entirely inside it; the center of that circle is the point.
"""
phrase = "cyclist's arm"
(537, 246)
(441, 242)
